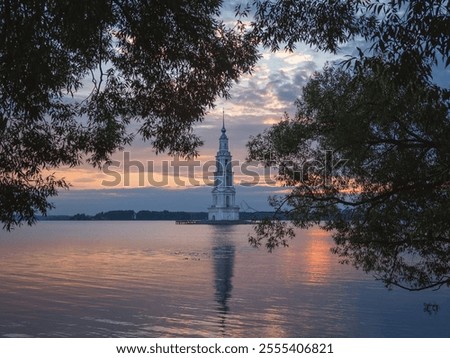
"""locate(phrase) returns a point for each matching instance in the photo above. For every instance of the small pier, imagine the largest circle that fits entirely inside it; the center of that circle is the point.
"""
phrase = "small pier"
(188, 222)
(214, 222)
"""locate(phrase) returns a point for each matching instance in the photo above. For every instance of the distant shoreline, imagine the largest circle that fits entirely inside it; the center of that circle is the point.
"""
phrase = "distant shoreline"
(146, 215)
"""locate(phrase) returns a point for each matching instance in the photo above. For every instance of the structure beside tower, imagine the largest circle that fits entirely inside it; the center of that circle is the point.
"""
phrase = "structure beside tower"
(223, 207)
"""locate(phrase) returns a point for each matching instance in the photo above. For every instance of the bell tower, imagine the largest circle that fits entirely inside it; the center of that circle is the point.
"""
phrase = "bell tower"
(223, 194)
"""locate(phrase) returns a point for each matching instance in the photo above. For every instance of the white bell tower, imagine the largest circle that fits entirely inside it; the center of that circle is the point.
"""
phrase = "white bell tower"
(223, 206)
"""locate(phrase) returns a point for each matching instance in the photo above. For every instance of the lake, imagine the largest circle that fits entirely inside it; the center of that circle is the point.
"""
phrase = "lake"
(158, 279)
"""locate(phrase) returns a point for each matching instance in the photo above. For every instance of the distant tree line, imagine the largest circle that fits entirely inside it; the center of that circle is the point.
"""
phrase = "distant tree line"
(155, 215)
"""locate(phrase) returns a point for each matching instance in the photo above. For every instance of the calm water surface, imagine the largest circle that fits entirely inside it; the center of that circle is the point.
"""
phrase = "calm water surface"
(158, 279)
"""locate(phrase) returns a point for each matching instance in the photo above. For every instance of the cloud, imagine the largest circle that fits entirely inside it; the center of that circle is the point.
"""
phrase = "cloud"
(257, 102)
(291, 58)
(84, 180)
(272, 91)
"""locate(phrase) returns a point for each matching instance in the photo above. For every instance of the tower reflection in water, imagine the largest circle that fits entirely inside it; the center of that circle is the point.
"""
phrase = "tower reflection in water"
(223, 257)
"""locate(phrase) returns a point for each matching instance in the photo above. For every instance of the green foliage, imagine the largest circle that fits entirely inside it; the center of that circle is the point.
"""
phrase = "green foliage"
(319, 23)
(367, 154)
(409, 34)
(74, 76)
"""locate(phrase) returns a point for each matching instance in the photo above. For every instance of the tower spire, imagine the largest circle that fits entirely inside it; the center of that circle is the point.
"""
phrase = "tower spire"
(223, 121)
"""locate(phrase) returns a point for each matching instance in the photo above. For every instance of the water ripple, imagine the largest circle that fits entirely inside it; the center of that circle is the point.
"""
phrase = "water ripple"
(155, 279)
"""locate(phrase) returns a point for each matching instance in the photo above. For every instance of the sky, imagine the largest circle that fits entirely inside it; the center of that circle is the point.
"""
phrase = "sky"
(257, 102)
